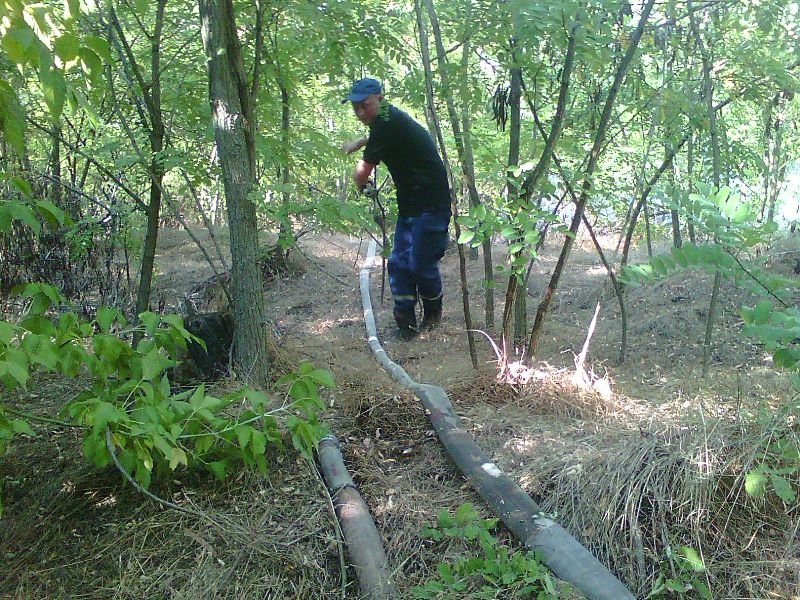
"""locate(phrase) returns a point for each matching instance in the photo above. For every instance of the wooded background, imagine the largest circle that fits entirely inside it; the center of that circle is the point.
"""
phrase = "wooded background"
(636, 122)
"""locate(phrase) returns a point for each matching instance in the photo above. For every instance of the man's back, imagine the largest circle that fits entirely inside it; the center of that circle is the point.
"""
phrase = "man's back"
(409, 153)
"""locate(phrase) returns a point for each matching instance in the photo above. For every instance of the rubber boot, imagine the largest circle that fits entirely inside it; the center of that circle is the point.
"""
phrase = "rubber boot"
(431, 314)
(406, 325)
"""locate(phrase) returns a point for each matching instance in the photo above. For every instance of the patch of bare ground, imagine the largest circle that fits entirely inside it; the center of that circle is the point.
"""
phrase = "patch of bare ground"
(655, 458)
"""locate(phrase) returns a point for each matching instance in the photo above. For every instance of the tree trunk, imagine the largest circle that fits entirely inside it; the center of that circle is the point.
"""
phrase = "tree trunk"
(594, 156)
(689, 165)
(232, 114)
(464, 148)
(708, 96)
(513, 297)
(434, 120)
(777, 165)
(643, 199)
(151, 97)
(519, 298)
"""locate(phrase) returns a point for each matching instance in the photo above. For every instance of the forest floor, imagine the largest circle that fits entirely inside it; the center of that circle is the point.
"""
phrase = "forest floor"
(654, 459)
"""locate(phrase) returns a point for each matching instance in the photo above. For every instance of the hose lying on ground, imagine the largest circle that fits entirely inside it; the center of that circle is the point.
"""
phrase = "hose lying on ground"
(562, 553)
(363, 542)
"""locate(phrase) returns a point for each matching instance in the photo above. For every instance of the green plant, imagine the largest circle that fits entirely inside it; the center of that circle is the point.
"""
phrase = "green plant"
(684, 580)
(493, 571)
(153, 430)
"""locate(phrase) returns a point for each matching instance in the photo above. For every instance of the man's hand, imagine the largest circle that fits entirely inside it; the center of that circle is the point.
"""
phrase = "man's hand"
(350, 147)
(369, 191)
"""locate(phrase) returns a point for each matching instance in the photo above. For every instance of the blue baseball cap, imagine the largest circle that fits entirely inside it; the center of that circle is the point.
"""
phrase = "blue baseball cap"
(362, 89)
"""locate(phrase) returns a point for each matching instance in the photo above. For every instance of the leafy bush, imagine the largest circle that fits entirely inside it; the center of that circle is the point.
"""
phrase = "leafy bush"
(152, 429)
(495, 569)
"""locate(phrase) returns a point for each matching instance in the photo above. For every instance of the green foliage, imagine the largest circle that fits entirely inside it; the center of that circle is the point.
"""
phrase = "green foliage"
(34, 36)
(725, 218)
(518, 227)
(495, 569)
(154, 431)
(775, 468)
(778, 328)
(681, 576)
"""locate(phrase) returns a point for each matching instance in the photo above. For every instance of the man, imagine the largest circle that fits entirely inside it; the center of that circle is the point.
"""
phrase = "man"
(423, 202)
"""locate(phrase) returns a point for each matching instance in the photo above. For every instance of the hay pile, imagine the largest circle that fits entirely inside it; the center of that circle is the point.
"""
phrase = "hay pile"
(630, 487)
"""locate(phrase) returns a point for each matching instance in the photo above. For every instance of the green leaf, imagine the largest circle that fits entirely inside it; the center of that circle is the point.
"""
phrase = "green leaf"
(142, 474)
(105, 317)
(7, 332)
(22, 186)
(71, 10)
(162, 445)
(465, 514)
(218, 469)
(196, 401)
(783, 488)
(51, 213)
(17, 42)
(691, 556)
(22, 212)
(466, 236)
(680, 257)
(761, 312)
(676, 586)
(91, 64)
(20, 426)
(323, 377)
(66, 46)
(258, 400)
(446, 573)
(258, 442)
(178, 458)
(52, 293)
(53, 85)
(103, 414)
(85, 106)
(99, 46)
(12, 118)
(16, 366)
(755, 482)
(153, 363)
(243, 433)
(150, 321)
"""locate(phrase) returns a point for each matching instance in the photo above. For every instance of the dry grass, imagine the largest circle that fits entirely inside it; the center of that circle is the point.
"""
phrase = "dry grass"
(628, 488)
(659, 462)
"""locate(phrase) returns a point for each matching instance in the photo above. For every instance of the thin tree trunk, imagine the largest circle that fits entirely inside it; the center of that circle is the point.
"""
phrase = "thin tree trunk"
(286, 237)
(689, 166)
(708, 96)
(232, 113)
(778, 163)
(436, 127)
(514, 297)
(464, 148)
(617, 286)
(767, 154)
(151, 97)
(532, 181)
(647, 233)
(643, 199)
(594, 156)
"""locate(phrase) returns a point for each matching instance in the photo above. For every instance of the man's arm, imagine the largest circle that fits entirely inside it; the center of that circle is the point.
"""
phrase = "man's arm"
(350, 147)
(361, 173)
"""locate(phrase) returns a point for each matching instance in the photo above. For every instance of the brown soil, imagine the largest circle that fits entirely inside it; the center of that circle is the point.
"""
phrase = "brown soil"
(619, 469)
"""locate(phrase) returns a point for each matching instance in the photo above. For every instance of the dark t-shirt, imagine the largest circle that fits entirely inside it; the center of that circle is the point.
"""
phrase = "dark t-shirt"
(407, 150)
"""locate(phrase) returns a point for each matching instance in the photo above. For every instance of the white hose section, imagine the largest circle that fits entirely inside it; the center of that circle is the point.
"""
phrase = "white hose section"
(561, 552)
